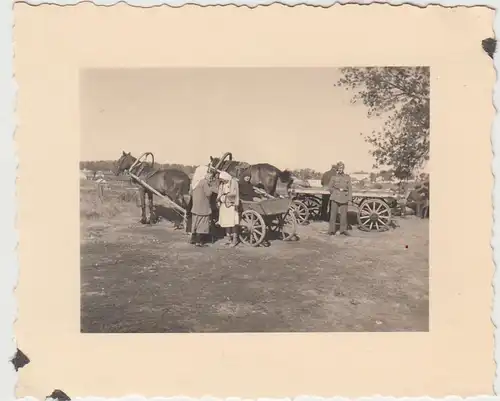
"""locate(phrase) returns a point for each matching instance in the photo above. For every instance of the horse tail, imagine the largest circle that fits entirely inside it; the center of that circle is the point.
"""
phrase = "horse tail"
(285, 176)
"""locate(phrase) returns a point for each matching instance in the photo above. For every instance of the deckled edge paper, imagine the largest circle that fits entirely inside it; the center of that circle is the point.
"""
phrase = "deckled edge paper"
(8, 163)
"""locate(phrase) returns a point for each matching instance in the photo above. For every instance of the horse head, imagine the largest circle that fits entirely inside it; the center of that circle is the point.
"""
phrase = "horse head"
(214, 161)
(125, 161)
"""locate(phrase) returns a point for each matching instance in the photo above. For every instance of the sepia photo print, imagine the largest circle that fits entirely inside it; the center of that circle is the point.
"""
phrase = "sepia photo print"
(232, 200)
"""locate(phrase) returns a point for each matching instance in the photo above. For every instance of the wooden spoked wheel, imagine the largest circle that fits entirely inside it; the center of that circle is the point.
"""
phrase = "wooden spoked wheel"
(273, 223)
(288, 223)
(374, 215)
(252, 228)
(313, 205)
(301, 212)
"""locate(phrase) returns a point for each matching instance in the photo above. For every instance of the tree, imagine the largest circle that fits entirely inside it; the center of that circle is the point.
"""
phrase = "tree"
(306, 174)
(373, 177)
(401, 96)
(387, 174)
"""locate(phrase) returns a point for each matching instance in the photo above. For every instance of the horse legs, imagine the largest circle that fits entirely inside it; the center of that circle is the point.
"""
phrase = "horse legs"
(142, 196)
(152, 216)
(271, 185)
(181, 202)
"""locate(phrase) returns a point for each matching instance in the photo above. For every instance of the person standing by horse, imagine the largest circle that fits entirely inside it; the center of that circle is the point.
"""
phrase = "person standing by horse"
(340, 187)
(247, 191)
(229, 200)
(201, 210)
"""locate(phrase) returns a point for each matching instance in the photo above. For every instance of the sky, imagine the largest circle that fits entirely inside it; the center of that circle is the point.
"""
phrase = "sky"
(288, 117)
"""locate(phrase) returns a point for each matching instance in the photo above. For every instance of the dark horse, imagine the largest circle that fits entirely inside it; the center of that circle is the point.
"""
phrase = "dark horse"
(170, 182)
(262, 175)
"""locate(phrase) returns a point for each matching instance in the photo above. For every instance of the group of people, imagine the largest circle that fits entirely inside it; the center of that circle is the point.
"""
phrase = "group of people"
(228, 192)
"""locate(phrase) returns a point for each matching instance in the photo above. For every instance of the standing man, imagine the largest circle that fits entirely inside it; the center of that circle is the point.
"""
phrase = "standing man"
(340, 187)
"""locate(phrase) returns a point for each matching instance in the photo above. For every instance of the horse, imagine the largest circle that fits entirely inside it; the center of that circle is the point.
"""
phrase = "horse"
(262, 175)
(169, 182)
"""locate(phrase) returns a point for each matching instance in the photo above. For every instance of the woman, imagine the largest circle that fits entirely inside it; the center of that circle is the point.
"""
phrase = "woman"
(229, 199)
(201, 210)
(247, 191)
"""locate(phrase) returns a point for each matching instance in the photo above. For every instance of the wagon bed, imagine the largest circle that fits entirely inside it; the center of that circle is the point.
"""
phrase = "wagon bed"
(368, 193)
(374, 206)
(268, 207)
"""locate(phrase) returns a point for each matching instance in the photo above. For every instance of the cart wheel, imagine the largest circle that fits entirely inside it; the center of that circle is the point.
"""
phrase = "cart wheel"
(252, 228)
(273, 224)
(313, 205)
(374, 215)
(301, 212)
(288, 226)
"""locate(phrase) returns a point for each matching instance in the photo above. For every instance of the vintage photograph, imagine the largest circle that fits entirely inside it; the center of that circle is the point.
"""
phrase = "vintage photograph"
(224, 200)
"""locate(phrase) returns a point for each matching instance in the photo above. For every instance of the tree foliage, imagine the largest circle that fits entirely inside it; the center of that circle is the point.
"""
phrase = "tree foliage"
(401, 96)
(387, 175)
(307, 174)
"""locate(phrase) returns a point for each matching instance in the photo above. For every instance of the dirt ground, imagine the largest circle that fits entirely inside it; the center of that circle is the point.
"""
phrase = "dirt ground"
(145, 279)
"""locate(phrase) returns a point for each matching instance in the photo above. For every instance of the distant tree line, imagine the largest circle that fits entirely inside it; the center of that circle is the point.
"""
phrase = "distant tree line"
(307, 174)
(109, 165)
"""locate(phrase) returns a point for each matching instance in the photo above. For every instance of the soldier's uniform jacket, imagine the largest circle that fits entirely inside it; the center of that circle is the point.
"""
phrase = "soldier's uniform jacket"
(340, 187)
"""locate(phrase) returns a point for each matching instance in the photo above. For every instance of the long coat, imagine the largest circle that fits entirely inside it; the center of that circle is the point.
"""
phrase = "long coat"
(201, 198)
(228, 196)
(340, 187)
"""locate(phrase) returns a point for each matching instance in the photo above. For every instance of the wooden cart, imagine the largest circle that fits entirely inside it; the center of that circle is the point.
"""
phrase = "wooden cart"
(374, 206)
(258, 219)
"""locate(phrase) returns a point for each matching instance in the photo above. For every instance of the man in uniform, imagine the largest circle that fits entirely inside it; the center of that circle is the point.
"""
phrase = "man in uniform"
(340, 187)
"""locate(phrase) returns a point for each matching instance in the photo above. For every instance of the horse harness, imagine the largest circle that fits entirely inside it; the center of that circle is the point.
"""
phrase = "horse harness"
(141, 166)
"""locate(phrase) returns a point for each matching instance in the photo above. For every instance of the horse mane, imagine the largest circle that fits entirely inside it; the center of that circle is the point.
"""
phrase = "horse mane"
(228, 164)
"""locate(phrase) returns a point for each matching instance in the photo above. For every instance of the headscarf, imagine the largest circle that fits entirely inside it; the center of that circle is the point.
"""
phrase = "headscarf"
(229, 187)
(225, 176)
(199, 174)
